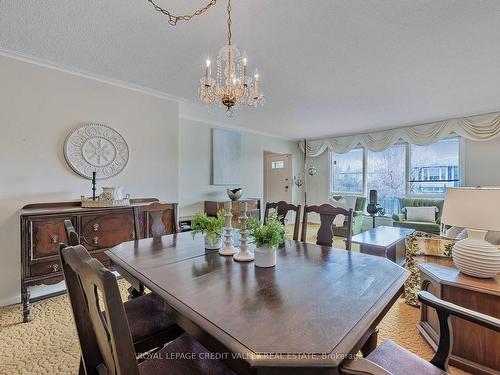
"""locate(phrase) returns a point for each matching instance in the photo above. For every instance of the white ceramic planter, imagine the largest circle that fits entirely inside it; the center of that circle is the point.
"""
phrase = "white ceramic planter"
(265, 256)
(213, 245)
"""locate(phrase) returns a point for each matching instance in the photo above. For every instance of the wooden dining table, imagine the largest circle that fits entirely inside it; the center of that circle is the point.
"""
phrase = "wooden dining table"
(315, 308)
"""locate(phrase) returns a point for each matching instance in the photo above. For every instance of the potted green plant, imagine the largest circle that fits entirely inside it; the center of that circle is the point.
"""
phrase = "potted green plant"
(267, 237)
(210, 227)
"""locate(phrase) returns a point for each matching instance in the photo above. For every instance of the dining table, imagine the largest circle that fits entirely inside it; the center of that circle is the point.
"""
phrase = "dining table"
(317, 307)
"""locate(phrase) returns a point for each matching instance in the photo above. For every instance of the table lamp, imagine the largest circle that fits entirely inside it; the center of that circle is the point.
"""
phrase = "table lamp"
(478, 211)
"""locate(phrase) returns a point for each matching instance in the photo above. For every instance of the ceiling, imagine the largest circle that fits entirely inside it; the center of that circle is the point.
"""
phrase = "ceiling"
(328, 67)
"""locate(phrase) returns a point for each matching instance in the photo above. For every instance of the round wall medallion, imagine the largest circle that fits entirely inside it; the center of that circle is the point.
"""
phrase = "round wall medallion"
(96, 147)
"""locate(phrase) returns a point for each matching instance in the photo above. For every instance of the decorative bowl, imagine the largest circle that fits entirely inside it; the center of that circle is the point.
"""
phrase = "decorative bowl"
(234, 194)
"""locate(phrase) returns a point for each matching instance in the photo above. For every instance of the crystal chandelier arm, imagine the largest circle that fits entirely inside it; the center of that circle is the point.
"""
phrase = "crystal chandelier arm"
(173, 19)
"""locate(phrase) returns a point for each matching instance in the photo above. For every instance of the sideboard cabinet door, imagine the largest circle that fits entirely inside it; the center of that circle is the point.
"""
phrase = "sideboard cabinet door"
(105, 230)
(46, 235)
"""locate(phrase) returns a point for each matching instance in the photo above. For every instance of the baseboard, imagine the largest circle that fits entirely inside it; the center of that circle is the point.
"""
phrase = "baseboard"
(10, 301)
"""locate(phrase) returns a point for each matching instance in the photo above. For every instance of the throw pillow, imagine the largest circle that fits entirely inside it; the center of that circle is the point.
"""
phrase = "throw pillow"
(425, 214)
(340, 203)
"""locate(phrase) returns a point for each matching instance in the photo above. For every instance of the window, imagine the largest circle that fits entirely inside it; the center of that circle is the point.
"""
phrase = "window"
(347, 171)
(401, 170)
(386, 173)
(280, 164)
(434, 167)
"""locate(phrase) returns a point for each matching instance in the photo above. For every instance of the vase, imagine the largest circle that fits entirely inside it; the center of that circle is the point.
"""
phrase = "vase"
(474, 256)
(265, 256)
(213, 244)
(112, 193)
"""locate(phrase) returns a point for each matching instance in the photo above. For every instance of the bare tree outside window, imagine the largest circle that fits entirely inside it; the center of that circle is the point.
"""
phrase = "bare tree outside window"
(386, 173)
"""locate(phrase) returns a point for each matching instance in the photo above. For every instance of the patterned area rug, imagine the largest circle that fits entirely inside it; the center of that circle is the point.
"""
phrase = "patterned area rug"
(49, 345)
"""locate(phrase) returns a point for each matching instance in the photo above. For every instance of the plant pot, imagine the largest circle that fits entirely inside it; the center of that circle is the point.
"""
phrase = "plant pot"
(265, 256)
(212, 244)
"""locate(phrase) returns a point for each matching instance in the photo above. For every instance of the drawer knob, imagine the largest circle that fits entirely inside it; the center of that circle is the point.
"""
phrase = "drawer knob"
(54, 267)
(95, 240)
(54, 238)
(95, 227)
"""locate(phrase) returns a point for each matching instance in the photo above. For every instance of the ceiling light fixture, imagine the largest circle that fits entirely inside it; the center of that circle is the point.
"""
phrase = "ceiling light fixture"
(231, 87)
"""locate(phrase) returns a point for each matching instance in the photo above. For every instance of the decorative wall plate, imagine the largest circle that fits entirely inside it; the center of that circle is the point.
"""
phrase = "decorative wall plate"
(96, 147)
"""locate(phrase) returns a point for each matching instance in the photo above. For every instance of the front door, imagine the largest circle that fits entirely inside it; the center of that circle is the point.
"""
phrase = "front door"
(278, 177)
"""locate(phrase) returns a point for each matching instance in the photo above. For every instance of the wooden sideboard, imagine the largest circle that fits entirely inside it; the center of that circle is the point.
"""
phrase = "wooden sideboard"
(475, 349)
(253, 209)
(42, 230)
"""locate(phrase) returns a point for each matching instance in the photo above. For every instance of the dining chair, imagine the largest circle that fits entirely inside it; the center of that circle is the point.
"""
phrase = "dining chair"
(327, 214)
(149, 325)
(160, 219)
(73, 238)
(389, 358)
(282, 208)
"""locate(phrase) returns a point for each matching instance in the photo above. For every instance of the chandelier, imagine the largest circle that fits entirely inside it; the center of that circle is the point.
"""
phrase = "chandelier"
(231, 86)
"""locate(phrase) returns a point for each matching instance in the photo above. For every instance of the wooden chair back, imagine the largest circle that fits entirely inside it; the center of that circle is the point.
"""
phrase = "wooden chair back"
(327, 214)
(100, 319)
(73, 238)
(282, 208)
(160, 219)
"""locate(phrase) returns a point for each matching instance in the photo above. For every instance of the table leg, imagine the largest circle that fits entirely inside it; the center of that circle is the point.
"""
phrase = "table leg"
(134, 293)
(370, 344)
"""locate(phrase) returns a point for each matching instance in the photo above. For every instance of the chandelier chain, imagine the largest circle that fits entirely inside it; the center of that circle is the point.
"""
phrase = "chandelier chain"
(173, 19)
(229, 22)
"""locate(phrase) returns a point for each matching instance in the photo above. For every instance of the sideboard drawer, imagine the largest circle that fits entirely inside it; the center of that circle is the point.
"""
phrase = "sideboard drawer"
(46, 235)
(106, 230)
(54, 266)
(45, 268)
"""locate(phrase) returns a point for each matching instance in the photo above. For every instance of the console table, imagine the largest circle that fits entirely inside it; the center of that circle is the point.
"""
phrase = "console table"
(42, 230)
(475, 349)
(253, 209)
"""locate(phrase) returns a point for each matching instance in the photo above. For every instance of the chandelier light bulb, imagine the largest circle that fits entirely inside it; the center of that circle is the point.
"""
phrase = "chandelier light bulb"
(208, 62)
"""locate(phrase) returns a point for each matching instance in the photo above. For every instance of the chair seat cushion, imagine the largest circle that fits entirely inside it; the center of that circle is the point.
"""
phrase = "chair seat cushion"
(184, 356)
(146, 316)
(400, 361)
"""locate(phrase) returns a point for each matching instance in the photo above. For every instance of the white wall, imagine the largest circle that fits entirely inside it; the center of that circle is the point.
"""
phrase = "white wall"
(195, 165)
(482, 163)
(39, 106)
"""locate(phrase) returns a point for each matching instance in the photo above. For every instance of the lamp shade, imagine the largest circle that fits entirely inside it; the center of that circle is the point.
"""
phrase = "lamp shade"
(472, 208)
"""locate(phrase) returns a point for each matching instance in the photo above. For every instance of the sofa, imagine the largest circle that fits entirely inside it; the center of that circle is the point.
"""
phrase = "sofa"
(429, 227)
(357, 218)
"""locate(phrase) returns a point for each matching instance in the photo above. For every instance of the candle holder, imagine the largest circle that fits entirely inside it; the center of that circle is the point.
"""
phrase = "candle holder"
(228, 248)
(244, 255)
(93, 185)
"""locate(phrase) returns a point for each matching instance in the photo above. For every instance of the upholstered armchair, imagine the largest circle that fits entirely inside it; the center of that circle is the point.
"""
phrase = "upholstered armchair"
(357, 218)
(418, 245)
(429, 227)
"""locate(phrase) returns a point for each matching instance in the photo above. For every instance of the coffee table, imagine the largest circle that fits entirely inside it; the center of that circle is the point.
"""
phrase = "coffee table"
(384, 241)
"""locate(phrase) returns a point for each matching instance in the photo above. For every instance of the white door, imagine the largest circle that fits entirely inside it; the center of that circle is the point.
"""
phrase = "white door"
(278, 177)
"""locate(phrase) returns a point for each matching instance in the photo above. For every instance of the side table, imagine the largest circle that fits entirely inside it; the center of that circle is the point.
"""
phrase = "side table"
(475, 349)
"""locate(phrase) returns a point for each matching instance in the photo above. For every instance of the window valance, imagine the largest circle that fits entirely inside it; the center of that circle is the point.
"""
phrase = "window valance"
(479, 128)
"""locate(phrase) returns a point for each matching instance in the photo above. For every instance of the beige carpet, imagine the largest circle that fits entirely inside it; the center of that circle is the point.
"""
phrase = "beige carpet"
(48, 344)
